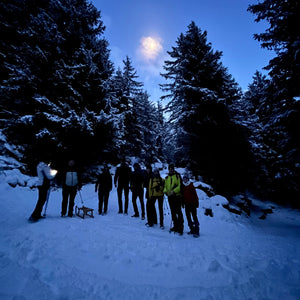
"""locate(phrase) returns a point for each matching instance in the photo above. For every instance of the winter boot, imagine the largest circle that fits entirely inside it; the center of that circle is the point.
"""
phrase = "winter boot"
(180, 230)
(196, 231)
(192, 228)
(32, 219)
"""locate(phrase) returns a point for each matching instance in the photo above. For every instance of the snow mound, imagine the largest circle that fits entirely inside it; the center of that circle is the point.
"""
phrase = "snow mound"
(15, 177)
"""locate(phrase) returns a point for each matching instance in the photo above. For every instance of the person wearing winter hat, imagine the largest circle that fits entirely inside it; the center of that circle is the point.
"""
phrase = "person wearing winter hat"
(45, 175)
(137, 188)
(156, 192)
(121, 181)
(191, 202)
(103, 186)
(70, 184)
(172, 189)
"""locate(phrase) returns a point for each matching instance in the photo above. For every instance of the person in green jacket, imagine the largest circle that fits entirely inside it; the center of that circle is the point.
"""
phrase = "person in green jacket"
(156, 187)
(172, 189)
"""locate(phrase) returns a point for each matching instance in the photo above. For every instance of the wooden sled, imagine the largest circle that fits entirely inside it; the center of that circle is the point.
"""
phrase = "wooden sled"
(84, 211)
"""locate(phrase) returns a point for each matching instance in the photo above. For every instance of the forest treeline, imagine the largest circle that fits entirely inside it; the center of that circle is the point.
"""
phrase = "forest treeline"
(61, 93)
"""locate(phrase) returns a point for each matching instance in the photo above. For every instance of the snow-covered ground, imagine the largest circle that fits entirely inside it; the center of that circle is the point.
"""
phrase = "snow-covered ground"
(118, 257)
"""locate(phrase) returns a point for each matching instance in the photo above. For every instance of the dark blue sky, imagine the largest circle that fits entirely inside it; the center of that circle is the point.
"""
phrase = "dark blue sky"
(230, 28)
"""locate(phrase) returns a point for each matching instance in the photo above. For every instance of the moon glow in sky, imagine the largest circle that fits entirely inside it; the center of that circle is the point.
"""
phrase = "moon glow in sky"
(150, 48)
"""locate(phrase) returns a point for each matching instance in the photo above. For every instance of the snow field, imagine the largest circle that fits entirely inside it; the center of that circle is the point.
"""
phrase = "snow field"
(118, 257)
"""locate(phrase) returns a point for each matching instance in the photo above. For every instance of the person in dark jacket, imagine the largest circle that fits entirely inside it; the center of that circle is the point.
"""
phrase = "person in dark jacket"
(137, 188)
(148, 175)
(191, 202)
(45, 175)
(103, 186)
(70, 184)
(121, 181)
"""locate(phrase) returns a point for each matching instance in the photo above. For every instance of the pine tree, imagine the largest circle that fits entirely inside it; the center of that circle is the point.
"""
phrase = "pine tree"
(201, 89)
(132, 86)
(280, 116)
(162, 137)
(127, 89)
(146, 117)
(283, 36)
(254, 103)
(54, 82)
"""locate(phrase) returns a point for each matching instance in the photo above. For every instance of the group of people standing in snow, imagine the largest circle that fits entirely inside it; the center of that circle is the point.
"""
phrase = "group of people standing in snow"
(180, 192)
(70, 182)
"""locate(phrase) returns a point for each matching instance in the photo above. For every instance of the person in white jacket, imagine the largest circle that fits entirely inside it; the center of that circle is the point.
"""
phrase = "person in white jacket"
(45, 175)
(71, 183)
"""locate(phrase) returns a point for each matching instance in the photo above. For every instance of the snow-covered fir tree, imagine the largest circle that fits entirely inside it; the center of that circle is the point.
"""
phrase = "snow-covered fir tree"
(200, 88)
(279, 111)
(147, 123)
(162, 135)
(127, 88)
(283, 37)
(53, 76)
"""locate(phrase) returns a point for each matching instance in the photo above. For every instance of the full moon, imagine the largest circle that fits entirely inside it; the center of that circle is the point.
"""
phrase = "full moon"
(150, 47)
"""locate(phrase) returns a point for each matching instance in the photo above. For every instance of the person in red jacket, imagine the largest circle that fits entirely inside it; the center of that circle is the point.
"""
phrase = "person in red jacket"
(191, 202)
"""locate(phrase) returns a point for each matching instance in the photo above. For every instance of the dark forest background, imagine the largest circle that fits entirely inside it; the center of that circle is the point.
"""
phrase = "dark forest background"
(61, 95)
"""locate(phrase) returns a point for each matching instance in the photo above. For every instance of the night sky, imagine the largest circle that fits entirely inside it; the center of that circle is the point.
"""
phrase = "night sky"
(146, 29)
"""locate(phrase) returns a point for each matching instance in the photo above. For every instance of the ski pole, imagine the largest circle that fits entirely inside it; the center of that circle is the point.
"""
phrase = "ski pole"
(171, 226)
(46, 205)
(166, 205)
(80, 198)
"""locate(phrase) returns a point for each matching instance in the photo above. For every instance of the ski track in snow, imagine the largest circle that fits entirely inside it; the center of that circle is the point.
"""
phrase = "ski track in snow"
(118, 257)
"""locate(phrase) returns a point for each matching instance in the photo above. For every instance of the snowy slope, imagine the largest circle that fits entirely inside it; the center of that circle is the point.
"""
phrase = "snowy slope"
(118, 257)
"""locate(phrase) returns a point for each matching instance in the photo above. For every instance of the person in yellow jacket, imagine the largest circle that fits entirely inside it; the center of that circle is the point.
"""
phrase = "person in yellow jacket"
(156, 192)
(172, 189)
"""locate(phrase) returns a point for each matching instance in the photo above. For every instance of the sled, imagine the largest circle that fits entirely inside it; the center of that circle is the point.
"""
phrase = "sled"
(84, 211)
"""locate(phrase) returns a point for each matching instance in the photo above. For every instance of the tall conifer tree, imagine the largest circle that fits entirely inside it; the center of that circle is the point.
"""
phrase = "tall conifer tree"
(53, 84)
(200, 88)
